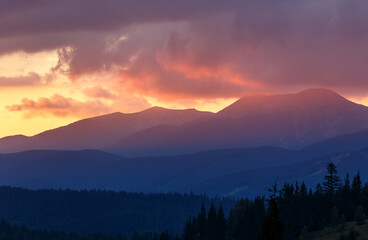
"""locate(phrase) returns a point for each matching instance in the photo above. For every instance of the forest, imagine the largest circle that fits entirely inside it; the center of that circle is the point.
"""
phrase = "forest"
(104, 212)
(291, 211)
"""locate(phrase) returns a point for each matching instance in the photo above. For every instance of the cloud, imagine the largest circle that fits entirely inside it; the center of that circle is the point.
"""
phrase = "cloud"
(28, 80)
(59, 106)
(99, 92)
(20, 18)
(197, 49)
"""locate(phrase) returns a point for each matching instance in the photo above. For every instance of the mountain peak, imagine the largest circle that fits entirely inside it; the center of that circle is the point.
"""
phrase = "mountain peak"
(313, 92)
(310, 98)
(320, 92)
(18, 136)
(155, 109)
(162, 109)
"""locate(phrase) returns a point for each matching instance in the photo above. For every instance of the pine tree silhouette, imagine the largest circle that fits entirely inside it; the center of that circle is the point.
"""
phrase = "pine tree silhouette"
(273, 228)
(220, 224)
(332, 180)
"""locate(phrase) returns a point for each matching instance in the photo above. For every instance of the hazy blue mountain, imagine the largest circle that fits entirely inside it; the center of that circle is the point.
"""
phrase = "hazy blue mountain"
(55, 169)
(342, 143)
(230, 172)
(253, 182)
(92, 169)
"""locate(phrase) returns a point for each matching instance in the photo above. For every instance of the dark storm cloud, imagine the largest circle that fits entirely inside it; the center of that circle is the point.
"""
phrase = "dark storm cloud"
(21, 17)
(209, 48)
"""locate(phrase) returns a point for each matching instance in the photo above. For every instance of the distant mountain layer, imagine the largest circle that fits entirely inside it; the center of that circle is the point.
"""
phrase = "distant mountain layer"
(100, 131)
(343, 143)
(290, 121)
(254, 182)
(229, 172)
(92, 169)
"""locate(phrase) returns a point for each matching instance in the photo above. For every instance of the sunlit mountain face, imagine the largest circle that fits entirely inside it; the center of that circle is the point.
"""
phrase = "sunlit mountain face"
(63, 61)
(290, 121)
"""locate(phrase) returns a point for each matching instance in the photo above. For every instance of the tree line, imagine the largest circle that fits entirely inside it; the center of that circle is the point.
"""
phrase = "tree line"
(102, 212)
(287, 213)
(14, 232)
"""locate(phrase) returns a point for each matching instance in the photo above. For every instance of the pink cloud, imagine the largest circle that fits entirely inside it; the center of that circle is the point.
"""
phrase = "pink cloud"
(59, 106)
(99, 92)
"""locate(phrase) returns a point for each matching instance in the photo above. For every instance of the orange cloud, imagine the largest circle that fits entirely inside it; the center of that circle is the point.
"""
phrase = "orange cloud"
(59, 106)
(99, 92)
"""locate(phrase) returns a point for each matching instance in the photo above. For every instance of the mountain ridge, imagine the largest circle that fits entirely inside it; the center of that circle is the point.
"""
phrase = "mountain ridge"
(226, 172)
(290, 121)
(96, 132)
(286, 121)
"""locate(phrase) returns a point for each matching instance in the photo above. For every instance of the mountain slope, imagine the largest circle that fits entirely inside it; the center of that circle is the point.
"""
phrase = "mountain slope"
(99, 170)
(253, 182)
(342, 143)
(231, 172)
(100, 131)
(55, 169)
(290, 121)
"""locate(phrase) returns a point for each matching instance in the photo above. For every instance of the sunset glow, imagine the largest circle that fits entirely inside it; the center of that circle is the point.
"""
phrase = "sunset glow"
(52, 73)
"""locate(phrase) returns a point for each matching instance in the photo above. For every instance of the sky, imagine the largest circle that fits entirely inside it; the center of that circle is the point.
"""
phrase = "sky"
(64, 60)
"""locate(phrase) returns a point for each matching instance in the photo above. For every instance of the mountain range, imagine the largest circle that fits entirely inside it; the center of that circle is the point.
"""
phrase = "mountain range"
(228, 172)
(237, 152)
(100, 131)
(290, 121)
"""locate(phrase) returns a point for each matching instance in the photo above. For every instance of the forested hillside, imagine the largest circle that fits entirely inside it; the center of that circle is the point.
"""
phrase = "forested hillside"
(101, 211)
(14, 232)
(299, 210)
(293, 211)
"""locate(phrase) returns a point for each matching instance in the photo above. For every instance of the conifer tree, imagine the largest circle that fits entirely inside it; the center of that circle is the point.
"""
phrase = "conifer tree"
(188, 230)
(319, 189)
(346, 187)
(211, 224)
(201, 222)
(303, 190)
(332, 180)
(357, 183)
(355, 197)
(220, 224)
(272, 227)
